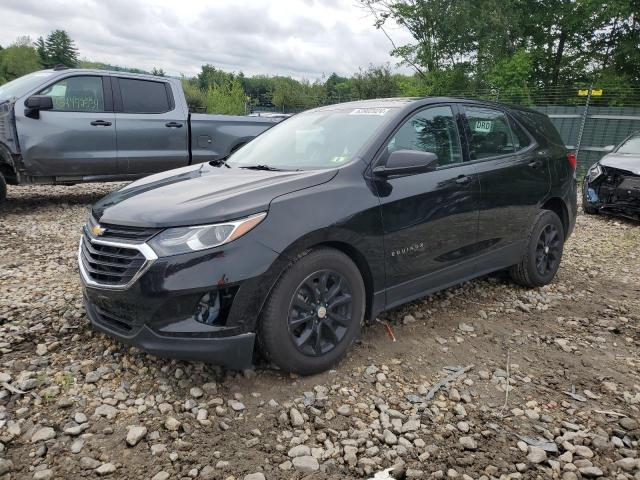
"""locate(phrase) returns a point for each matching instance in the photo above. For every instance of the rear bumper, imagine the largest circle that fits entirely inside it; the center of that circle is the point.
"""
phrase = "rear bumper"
(233, 351)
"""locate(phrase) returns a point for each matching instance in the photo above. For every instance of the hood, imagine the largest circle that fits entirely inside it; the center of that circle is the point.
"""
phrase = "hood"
(623, 161)
(200, 194)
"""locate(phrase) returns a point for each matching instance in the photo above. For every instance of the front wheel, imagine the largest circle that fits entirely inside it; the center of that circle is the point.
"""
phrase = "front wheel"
(314, 312)
(542, 255)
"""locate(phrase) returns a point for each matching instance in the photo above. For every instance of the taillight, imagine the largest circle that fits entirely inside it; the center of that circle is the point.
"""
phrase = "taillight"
(573, 160)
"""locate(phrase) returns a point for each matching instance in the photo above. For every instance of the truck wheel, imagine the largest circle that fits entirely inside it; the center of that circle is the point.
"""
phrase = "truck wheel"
(314, 312)
(3, 189)
(542, 255)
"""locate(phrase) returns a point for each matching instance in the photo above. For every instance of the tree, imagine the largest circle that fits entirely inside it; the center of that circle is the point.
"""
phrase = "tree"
(17, 60)
(57, 49)
(374, 82)
(226, 99)
(158, 72)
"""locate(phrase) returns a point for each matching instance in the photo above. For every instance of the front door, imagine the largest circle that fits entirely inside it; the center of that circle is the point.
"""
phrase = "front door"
(430, 219)
(514, 178)
(75, 139)
(153, 133)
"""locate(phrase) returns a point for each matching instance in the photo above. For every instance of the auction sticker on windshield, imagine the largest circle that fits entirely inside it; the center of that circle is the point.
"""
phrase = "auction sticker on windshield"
(370, 111)
(483, 126)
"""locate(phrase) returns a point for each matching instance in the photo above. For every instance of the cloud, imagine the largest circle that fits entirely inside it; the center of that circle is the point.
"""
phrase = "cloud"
(301, 38)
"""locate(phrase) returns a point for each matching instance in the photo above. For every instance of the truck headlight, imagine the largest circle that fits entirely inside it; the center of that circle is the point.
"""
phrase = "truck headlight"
(594, 172)
(174, 241)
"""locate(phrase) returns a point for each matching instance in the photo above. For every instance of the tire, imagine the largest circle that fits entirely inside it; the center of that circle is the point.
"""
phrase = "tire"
(539, 264)
(297, 310)
(3, 189)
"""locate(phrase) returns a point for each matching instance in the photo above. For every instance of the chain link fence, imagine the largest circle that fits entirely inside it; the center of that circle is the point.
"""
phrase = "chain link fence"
(589, 118)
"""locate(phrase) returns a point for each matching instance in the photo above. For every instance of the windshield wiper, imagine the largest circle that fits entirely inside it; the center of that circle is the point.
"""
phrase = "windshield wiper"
(268, 168)
(218, 162)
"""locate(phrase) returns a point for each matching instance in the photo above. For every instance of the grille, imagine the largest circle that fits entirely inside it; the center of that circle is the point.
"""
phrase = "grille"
(110, 265)
(112, 321)
(118, 232)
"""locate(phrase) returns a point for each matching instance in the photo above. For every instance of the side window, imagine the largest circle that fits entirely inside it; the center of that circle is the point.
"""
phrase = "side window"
(520, 138)
(490, 133)
(77, 94)
(430, 130)
(144, 96)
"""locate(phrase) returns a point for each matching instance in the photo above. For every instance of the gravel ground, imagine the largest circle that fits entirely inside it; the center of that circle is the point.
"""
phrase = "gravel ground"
(486, 380)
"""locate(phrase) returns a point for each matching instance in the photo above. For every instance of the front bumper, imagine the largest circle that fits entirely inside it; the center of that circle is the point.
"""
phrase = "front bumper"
(234, 352)
(158, 311)
(615, 194)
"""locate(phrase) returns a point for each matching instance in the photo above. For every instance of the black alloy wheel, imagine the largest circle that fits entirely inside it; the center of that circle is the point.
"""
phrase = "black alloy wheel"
(320, 312)
(548, 250)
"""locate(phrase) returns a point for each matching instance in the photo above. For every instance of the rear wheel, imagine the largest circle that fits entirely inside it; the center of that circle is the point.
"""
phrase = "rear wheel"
(542, 255)
(314, 312)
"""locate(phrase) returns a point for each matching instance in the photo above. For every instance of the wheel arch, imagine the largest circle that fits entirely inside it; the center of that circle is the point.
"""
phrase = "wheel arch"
(557, 206)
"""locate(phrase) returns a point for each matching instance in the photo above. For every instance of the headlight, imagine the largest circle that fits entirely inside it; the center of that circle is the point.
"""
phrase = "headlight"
(174, 241)
(594, 172)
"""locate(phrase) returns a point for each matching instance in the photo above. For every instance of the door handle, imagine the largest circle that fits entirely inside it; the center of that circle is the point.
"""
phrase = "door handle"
(100, 123)
(535, 163)
(173, 125)
(463, 179)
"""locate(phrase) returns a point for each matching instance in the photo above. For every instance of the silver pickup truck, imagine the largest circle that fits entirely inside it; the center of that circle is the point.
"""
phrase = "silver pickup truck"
(67, 126)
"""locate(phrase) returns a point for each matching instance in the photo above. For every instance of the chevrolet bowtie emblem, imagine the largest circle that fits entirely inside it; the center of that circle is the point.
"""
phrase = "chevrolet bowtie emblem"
(97, 230)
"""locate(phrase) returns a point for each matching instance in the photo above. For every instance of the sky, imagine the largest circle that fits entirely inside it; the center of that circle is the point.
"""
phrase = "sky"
(299, 38)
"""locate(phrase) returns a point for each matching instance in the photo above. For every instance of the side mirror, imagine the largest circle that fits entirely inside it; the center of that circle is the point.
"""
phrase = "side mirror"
(35, 103)
(609, 148)
(407, 162)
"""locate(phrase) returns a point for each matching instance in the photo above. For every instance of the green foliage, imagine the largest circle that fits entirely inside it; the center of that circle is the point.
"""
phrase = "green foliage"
(374, 82)
(158, 72)
(226, 99)
(57, 49)
(511, 75)
(17, 60)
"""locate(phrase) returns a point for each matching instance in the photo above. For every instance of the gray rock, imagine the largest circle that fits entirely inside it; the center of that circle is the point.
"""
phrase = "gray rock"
(296, 417)
(88, 463)
(236, 406)
(306, 464)
(536, 455)
(172, 424)
(344, 410)
(468, 443)
(43, 434)
(6, 466)
(299, 451)
(208, 473)
(627, 464)
(106, 411)
(106, 469)
(135, 434)
(628, 423)
(255, 476)
(46, 474)
(161, 476)
(389, 437)
(196, 392)
(590, 471)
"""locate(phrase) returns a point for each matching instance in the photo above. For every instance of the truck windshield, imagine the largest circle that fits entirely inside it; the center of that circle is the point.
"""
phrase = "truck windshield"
(18, 87)
(312, 140)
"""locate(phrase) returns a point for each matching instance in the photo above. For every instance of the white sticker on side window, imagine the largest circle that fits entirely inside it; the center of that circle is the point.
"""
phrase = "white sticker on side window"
(483, 126)
(370, 111)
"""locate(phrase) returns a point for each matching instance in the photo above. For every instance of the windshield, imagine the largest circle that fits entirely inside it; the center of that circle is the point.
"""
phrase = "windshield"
(312, 140)
(632, 145)
(18, 87)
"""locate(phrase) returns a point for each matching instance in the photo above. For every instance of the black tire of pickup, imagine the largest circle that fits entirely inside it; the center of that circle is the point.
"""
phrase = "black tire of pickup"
(3, 189)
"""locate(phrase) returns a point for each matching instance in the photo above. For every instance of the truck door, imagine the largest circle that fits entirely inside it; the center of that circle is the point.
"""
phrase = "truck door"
(152, 129)
(77, 137)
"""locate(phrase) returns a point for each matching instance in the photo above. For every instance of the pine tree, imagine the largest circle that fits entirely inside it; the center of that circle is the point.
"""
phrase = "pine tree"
(60, 49)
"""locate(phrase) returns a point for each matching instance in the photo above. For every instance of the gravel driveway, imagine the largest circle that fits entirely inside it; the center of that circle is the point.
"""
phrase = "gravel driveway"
(486, 380)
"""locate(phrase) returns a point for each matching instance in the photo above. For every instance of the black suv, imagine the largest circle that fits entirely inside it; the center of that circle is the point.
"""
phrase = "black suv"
(322, 222)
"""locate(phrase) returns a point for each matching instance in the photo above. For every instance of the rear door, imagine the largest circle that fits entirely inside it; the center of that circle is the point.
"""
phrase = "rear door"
(77, 138)
(152, 128)
(514, 180)
(430, 219)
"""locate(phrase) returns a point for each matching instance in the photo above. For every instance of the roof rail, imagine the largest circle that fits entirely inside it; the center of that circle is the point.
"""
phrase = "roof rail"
(60, 66)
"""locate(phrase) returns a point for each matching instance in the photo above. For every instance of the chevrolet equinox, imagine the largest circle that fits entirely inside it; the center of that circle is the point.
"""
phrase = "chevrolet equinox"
(298, 239)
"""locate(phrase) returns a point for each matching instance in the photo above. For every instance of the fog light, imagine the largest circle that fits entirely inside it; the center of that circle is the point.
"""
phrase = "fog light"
(208, 308)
